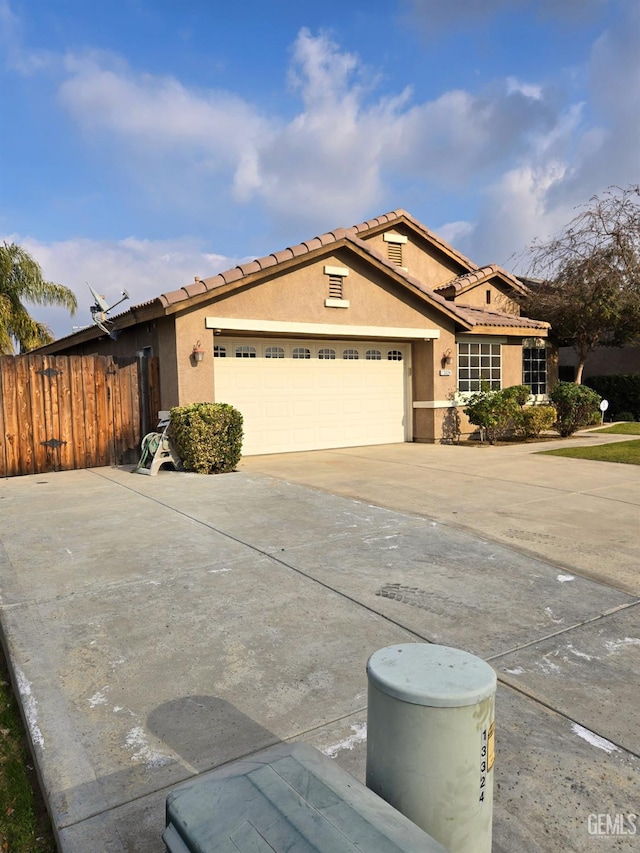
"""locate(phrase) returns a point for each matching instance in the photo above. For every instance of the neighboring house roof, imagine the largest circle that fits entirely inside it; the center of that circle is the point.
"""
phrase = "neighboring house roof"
(251, 272)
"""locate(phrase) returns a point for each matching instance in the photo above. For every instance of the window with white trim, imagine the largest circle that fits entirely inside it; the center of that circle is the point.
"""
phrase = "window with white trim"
(478, 363)
(350, 354)
(219, 351)
(534, 369)
(373, 355)
(274, 352)
(300, 352)
(245, 352)
(394, 355)
(326, 352)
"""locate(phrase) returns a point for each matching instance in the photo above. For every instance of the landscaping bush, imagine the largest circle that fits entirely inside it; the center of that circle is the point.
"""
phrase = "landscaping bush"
(497, 413)
(536, 419)
(576, 406)
(519, 393)
(625, 416)
(622, 390)
(207, 436)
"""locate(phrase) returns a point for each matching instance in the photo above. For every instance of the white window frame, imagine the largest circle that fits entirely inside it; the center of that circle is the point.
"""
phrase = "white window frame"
(539, 346)
(464, 352)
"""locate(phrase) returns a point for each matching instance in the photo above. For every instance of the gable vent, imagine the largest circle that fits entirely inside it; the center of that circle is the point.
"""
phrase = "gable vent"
(335, 287)
(395, 253)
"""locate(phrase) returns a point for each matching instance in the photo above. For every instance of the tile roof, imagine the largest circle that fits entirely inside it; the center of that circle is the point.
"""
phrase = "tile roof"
(466, 316)
(479, 275)
(481, 317)
(238, 272)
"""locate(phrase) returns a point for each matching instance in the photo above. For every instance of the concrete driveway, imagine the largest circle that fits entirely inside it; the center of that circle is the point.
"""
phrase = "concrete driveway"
(159, 627)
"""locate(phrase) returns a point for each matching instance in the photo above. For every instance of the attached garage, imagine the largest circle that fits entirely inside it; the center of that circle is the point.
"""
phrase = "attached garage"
(358, 336)
(301, 394)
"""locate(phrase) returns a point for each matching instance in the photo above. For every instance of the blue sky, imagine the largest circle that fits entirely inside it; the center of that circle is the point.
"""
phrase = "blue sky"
(148, 141)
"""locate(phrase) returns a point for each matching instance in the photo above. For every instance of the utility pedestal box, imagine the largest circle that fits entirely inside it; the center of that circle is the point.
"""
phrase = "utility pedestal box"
(289, 797)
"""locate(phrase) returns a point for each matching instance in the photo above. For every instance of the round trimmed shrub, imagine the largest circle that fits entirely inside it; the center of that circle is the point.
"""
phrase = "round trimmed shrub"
(207, 437)
(576, 406)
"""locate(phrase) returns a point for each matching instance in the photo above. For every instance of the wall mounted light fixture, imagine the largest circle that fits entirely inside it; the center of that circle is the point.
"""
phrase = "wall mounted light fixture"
(197, 354)
(446, 358)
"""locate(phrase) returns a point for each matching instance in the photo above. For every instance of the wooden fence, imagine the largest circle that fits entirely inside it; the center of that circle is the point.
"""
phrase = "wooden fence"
(63, 412)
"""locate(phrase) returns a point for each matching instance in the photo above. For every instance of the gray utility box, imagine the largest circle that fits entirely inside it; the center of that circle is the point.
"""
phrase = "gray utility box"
(289, 798)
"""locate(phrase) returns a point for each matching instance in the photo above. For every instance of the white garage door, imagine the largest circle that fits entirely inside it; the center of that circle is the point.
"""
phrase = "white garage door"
(310, 395)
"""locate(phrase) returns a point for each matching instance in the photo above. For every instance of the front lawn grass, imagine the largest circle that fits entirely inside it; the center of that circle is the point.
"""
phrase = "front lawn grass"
(24, 822)
(631, 428)
(627, 452)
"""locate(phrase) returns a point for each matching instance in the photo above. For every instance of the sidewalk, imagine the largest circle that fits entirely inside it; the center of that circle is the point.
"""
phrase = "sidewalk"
(159, 627)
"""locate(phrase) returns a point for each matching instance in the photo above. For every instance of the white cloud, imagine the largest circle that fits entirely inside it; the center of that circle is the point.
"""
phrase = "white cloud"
(531, 154)
(157, 113)
(144, 268)
(333, 162)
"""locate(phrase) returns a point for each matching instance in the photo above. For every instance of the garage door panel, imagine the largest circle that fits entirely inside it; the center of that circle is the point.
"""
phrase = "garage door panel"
(304, 404)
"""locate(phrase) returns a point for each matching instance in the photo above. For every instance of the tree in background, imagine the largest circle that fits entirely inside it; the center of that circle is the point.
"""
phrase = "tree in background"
(21, 281)
(588, 276)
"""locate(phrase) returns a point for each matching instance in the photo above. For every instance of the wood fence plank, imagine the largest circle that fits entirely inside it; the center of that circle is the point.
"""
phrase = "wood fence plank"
(12, 431)
(116, 412)
(89, 388)
(65, 420)
(77, 410)
(54, 410)
(38, 420)
(127, 381)
(47, 459)
(23, 412)
(102, 413)
(135, 429)
(3, 432)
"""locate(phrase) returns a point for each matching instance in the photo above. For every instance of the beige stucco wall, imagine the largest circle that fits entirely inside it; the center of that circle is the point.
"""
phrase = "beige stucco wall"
(419, 257)
(499, 301)
(299, 296)
(296, 296)
(169, 390)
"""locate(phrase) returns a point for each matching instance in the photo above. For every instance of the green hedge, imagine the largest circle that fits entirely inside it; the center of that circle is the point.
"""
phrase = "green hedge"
(207, 436)
(622, 390)
(504, 412)
(576, 406)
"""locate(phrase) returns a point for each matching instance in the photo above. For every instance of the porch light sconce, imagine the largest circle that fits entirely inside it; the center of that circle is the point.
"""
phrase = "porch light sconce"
(197, 354)
(446, 358)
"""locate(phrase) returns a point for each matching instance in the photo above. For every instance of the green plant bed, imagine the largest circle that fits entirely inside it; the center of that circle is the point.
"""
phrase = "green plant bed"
(24, 822)
(622, 429)
(626, 452)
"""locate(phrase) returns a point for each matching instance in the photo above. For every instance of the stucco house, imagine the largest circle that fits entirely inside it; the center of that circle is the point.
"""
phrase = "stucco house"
(365, 335)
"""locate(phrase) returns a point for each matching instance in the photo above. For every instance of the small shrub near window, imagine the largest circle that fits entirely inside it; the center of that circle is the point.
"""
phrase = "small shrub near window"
(519, 393)
(497, 413)
(504, 412)
(536, 419)
(576, 406)
(207, 436)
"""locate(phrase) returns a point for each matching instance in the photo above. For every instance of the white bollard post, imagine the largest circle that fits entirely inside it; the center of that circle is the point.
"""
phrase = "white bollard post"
(430, 740)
